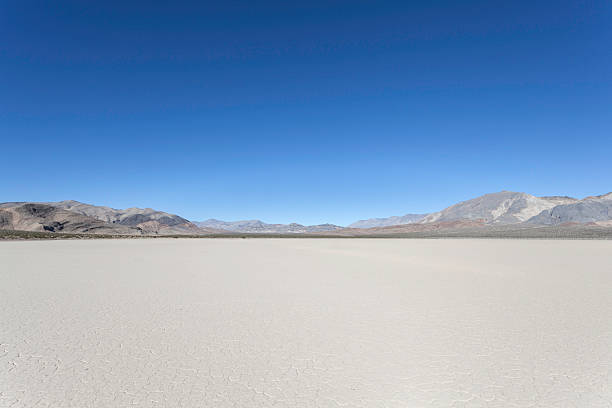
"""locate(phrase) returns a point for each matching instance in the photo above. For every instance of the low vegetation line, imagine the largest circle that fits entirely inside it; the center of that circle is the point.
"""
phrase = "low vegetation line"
(534, 233)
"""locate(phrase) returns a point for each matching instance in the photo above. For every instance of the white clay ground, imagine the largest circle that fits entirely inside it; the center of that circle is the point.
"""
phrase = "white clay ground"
(305, 323)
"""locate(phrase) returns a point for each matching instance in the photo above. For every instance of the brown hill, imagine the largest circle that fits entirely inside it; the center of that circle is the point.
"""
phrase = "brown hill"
(42, 217)
(75, 217)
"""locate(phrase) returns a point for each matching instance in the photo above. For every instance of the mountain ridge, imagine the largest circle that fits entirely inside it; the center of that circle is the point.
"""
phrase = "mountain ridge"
(503, 208)
(258, 226)
(388, 221)
(38, 217)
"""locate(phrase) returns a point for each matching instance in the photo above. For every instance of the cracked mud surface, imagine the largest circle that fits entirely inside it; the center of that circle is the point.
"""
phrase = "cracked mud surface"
(306, 323)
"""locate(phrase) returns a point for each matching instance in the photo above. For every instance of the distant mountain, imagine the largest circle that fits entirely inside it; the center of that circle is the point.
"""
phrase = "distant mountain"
(389, 221)
(236, 226)
(73, 216)
(414, 227)
(257, 226)
(478, 229)
(597, 209)
(505, 207)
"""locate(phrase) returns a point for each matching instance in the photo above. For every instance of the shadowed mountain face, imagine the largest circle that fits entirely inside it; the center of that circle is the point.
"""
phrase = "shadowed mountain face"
(596, 210)
(257, 226)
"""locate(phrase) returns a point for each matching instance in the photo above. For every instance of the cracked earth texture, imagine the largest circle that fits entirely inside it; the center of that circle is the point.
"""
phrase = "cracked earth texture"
(306, 323)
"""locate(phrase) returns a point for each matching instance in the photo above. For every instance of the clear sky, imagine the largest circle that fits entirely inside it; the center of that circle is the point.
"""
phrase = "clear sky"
(318, 111)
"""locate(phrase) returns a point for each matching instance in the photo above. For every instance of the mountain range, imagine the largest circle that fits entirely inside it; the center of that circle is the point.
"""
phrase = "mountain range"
(389, 221)
(257, 226)
(504, 208)
(508, 208)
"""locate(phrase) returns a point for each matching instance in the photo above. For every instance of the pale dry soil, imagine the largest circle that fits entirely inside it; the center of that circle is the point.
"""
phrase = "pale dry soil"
(306, 323)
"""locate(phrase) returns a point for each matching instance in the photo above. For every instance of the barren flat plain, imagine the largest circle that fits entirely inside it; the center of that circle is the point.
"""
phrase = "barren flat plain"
(306, 323)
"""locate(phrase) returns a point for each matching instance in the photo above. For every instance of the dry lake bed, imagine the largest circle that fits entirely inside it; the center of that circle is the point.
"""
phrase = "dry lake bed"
(306, 323)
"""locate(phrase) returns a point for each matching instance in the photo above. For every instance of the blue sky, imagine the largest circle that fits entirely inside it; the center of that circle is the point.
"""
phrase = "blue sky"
(321, 111)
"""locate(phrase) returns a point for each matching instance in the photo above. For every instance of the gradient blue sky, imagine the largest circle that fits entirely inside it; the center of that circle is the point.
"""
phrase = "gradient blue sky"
(319, 111)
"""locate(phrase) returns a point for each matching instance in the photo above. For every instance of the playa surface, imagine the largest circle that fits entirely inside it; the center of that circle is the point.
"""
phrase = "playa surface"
(306, 323)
